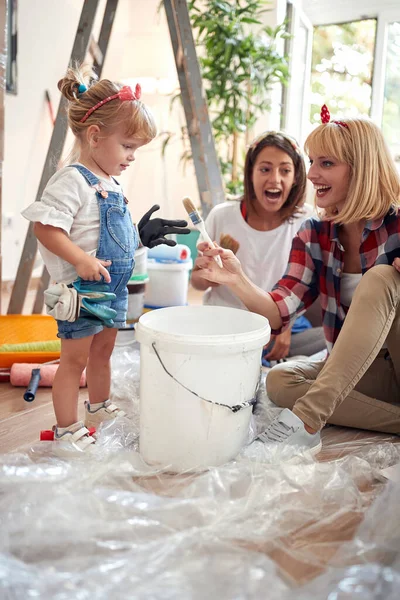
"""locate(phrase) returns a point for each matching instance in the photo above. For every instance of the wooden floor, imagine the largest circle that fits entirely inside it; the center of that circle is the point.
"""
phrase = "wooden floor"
(21, 422)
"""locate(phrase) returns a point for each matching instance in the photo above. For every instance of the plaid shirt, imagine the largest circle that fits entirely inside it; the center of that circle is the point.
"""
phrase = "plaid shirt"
(316, 265)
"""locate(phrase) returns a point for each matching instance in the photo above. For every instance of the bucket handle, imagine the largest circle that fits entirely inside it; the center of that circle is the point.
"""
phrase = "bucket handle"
(234, 408)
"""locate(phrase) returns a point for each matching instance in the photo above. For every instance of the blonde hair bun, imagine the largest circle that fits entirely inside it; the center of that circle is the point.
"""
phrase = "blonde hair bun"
(76, 76)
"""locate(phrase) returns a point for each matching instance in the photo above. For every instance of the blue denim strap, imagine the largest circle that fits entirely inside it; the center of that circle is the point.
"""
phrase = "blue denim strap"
(90, 177)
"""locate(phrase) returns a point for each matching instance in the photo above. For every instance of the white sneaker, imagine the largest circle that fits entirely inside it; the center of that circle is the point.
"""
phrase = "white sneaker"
(97, 413)
(288, 429)
(76, 436)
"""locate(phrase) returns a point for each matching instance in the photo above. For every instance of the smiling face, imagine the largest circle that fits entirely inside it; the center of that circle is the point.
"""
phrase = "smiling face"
(273, 178)
(331, 179)
(114, 153)
(109, 153)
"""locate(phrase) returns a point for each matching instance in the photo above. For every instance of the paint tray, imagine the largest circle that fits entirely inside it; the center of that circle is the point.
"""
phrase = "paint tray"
(21, 329)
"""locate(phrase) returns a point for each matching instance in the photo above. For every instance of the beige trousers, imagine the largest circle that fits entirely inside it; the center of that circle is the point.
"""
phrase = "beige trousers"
(359, 385)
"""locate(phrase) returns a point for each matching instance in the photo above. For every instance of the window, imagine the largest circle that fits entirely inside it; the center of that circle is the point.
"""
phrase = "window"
(342, 68)
(391, 101)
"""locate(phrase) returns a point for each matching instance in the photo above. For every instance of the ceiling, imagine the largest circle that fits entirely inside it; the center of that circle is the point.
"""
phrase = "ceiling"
(339, 11)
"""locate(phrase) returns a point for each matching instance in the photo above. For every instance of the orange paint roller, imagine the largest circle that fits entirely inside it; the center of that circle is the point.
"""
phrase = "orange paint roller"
(33, 375)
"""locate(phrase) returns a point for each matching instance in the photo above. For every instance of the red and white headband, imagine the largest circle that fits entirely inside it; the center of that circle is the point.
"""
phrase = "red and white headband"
(124, 94)
(326, 117)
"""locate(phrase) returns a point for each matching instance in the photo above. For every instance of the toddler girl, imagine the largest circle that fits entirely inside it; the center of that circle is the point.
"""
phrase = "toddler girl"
(87, 241)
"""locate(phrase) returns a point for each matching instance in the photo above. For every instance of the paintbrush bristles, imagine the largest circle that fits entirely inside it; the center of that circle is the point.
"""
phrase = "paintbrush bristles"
(228, 242)
(189, 206)
(193, 213)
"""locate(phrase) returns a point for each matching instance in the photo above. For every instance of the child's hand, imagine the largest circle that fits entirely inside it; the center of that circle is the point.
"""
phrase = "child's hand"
(396, 264)
(93, 269)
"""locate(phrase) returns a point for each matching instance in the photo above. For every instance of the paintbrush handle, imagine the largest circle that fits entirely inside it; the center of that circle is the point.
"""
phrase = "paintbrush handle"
(203, 231)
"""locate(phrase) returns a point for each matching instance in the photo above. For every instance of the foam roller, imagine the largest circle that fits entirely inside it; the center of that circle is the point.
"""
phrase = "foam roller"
(21, 373)
(48, 346)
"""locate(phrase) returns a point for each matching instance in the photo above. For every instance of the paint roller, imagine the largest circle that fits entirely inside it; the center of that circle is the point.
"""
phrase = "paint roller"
(34, 375)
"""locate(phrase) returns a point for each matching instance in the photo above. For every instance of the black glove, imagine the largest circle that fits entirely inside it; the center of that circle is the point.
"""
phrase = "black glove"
(152, 231)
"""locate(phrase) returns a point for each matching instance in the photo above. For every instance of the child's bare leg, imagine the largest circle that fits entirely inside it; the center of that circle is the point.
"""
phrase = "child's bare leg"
(74, 355)
(98, 371)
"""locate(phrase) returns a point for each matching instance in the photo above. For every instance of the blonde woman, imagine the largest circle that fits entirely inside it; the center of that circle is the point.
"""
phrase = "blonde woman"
(345, 259)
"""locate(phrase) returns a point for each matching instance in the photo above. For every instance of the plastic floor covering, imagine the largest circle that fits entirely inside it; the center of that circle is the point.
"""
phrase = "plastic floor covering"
(261, 527)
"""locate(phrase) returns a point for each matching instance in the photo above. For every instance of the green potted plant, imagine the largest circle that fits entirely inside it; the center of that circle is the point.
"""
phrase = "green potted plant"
(240, 62)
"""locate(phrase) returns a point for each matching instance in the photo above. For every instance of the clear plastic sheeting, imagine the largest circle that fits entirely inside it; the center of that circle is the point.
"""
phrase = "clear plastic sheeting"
(108, 526)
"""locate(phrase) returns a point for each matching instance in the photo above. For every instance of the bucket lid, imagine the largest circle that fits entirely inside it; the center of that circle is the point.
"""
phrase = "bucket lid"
(169, 265)
(136, 279)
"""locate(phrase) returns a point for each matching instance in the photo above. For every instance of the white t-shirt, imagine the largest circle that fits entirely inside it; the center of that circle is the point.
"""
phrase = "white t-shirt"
(263, 254)
(348, 284)
(70, 203)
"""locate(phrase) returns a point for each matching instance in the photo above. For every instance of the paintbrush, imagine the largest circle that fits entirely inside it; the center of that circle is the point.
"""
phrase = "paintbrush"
(199, 224)
(228, 242)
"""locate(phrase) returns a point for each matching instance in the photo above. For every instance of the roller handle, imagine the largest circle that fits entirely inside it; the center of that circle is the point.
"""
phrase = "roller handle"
(31, 390)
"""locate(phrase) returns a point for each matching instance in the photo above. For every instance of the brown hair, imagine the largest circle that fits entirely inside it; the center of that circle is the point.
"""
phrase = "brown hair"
(136, 118)
(374, 182)
(280, 140)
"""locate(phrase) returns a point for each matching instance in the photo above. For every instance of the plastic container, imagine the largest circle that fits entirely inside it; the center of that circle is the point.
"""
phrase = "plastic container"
(192, 357)
(179, 253)
(20, 329)
(136, 290)
(168, 283)
(140, 262)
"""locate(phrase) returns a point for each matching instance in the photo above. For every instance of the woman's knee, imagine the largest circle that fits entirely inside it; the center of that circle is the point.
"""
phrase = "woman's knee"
(279, 383)
(380, 274)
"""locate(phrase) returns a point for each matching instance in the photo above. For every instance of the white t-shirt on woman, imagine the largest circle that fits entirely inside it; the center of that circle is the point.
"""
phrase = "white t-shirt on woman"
(263, 254)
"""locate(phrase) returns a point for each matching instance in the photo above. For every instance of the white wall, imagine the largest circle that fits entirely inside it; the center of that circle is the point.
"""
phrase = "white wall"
(139, 47)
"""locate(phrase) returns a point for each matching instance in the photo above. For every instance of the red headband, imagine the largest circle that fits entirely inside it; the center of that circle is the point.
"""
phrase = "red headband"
(125, 93)
(326, 117)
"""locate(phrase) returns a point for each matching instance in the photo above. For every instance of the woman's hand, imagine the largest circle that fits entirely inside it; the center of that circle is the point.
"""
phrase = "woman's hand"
(396, 264)
(203, 284)
(281, 347)
(208, 269)
(93, 269)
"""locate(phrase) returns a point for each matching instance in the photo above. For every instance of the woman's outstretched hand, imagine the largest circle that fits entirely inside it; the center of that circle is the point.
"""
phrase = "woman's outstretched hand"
(209, 270)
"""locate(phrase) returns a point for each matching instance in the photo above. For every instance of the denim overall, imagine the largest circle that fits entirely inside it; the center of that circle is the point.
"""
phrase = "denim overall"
(118, 240)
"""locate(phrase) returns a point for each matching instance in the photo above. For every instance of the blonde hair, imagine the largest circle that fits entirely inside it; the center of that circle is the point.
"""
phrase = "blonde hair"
(135, 117)
(374, 182)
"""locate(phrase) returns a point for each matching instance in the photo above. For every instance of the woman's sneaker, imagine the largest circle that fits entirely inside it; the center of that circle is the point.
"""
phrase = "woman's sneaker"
(77, 436)
(97, 413)
(288, 430)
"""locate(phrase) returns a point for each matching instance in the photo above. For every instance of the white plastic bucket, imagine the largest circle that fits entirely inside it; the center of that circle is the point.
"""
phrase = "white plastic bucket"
(140, 261)
(168, 285)
(193, 357)
(136, 291)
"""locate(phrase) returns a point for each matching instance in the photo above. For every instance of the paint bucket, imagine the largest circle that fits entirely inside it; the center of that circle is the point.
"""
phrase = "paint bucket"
(140, 262)
(169, 282)
(199, 372)
(136, 291)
